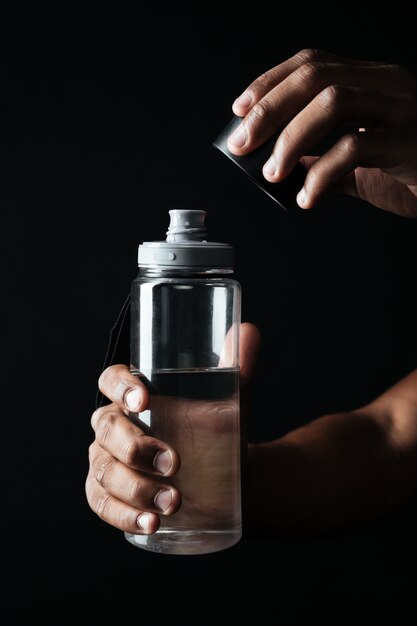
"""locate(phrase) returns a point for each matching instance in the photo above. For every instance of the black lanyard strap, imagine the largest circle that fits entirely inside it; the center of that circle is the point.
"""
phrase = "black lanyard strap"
(118, 344)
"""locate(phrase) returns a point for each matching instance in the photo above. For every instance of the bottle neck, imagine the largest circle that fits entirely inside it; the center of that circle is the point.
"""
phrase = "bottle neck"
(175, 272)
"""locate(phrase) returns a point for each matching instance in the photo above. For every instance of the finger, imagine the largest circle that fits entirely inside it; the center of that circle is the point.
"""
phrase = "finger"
(250, 342)
(124, 440)
(119, 514)
(270, 79)
(346, 185)
(308, 161)
(374, 186)
(294, 93)
(365, 149)
(229, 350)
(129, 486)
(335, 107)
(123, 388)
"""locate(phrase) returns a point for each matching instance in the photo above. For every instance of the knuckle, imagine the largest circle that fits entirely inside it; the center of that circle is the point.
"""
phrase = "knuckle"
(135, 490)
(89, 489)
(399, 70)
(332, 98)
(309, 72)
(130, 451)
(92, 451)
(90, 484)
(96, 416)
(263, 82)
(349, 144)
(309, 55)
(102, 506)
(105, 426)
(104, 467)
(394, 67)
(261, 111)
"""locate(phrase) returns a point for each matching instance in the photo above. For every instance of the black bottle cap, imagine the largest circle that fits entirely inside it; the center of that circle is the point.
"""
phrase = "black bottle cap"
(285, 192)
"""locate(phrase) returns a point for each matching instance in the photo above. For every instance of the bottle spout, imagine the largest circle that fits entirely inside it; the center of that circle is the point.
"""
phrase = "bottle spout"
(186, 225)
(186, 247)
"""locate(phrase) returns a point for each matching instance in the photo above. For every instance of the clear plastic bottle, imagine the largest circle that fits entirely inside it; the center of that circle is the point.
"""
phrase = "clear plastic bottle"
(185, 318)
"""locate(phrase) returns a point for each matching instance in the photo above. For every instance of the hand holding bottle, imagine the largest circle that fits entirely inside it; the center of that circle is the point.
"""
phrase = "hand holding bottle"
(133, 478)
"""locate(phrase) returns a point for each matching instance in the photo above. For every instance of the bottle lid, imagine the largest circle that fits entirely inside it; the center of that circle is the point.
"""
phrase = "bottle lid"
(186, 246)
(285, 192)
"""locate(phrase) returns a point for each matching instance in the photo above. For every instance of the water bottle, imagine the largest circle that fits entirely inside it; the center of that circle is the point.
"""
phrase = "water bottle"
(185, 318)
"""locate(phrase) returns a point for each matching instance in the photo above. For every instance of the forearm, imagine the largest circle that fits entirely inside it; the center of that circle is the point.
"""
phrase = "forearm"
(338, 472)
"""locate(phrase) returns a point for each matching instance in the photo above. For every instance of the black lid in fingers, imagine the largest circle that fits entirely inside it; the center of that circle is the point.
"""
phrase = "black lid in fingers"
(284, 193)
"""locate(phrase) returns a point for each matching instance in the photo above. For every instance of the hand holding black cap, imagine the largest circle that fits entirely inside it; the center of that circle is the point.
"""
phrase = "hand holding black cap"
(285, 192)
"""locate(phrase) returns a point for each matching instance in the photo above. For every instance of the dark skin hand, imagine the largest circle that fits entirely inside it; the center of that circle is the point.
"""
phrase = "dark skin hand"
(341, 470)
(314, 93)
(338, 472)
(134, 477)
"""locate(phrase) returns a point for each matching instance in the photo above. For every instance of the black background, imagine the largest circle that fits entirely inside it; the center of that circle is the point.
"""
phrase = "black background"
(107, 122)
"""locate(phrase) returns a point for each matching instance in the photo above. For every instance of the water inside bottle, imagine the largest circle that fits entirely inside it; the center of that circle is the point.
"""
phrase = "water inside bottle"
(197, 412)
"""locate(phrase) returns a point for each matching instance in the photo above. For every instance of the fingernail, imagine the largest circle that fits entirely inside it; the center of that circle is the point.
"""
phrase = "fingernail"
(270, 166)
(301, 197)
(163, 461)
(132, 399)
(238, 137)
(144, 521)
(243, 100)
(163, 500)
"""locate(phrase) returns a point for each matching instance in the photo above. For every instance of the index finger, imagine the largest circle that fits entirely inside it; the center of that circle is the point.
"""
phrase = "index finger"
(270, 79)
(123, 388)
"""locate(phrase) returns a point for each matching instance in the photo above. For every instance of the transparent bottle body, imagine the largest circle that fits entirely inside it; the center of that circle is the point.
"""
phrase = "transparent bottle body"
(185, 348)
